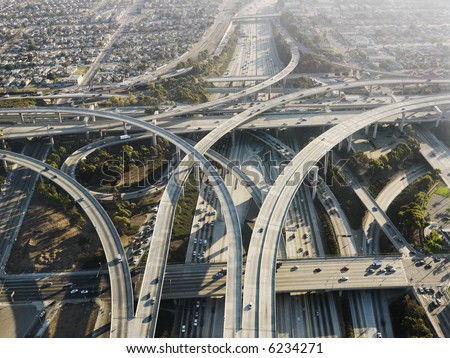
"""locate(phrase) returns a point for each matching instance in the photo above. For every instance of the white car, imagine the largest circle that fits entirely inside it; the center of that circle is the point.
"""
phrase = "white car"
(183, 328)
(84, 291)
(75, 290)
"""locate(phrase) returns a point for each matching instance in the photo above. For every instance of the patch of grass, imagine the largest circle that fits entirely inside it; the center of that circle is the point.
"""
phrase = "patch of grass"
(442, 190)
(183, 221)
(81, 70)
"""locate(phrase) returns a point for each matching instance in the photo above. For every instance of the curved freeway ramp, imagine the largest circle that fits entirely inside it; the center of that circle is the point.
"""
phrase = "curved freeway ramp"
(119, 273)
(259, 278)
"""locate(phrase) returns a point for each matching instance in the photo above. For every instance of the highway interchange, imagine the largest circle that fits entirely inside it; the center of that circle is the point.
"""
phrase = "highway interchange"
(250, 300)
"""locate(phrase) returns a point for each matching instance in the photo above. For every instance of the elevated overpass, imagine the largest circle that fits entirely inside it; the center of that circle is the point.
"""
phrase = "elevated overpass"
(260, 272)
(121, 286)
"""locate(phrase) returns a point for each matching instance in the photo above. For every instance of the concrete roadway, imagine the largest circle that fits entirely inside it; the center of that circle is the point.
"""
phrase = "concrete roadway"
(152, 284)
(16, 197)
(386, 196)
(196, 280)
(259, 282)
(121, 286)
(435, 153)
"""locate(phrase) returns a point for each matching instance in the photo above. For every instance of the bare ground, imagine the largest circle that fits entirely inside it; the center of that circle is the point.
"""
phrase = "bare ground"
(73, 321)
(48, 242)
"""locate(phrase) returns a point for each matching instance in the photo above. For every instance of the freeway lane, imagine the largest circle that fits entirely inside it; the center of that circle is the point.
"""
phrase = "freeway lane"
(16, 198)
(260, 276)
(121, 286)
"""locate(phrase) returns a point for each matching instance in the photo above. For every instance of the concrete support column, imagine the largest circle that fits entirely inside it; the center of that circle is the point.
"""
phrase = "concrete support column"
(233, 137)
(402, 123)
(197, 173)
(87, 134)
(339, 93)
(101, 134)
(349, 142)
(340, 145)
(52, 141)
(315, 177)
(370, 90)
(125, 131)
(155, 139)
(440, 115)
(270, 92)
(22, 119)
(403, 89)
(284, 82)
(3, 144)
(366, 130)
(325, 163)
(375, 129)
(177, 155)
(59, 117)
(277, 132)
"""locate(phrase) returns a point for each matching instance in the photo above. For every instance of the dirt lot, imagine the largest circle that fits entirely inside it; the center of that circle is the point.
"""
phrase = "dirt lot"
(47, 242)
(73, 321)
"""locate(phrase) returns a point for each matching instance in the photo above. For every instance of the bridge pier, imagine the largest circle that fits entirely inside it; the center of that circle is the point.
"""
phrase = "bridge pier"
(441, 115)
(375, 129)
(270, 92)
(349, 144)
(155, 139)
(402, 122)
(52, 141)
(340, 145)
(277, 133)
(315, 173)
(22, 119)
(197, 174)
(3, 144)
(87, 134)
(325, 163)
(370, 90)
(101, 133)
(59, 117)
(233, 137)
(403, 89)
(125, 130)
(366, 130)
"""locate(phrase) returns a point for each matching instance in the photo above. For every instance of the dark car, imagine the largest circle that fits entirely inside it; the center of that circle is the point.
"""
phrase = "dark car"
(317, 270)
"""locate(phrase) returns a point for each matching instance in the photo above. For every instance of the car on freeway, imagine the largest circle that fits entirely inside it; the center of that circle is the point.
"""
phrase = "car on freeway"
(68, 285)
(260, 230)
(317, 270)
(343, 278)
(183, 328)
(197, 304)
(195, 322)
(420, 290)
(420, 263)
(47, 284)
(379, 335)
(250, 305)
(427, 266)
(294, 268)
(370, 271)
(345, 269)
(84, 292)
(74, 291)
(317, 313)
